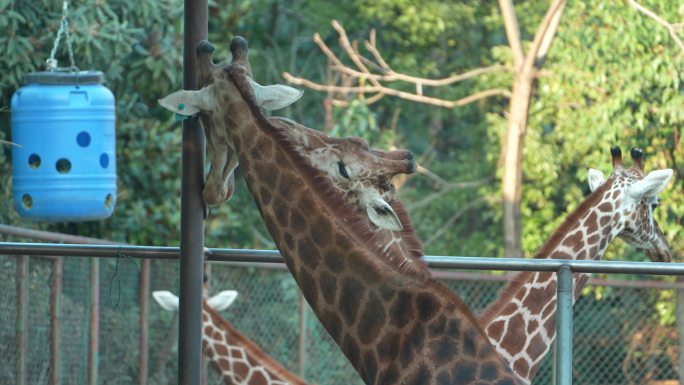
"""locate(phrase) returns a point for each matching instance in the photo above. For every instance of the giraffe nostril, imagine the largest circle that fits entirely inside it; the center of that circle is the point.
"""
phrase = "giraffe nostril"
(411, 167)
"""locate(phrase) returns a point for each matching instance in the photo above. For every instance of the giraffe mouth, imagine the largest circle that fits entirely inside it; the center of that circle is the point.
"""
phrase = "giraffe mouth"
(659, 253)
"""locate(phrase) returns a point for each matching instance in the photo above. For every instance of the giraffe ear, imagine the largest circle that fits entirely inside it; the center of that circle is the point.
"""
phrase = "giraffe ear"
(188, 103)
(166, 300)
(651, 185)
(596, 179)
(276, 96)
(382, 215)
(222, 300)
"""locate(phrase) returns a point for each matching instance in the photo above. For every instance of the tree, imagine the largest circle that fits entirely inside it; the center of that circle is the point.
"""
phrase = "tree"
(525, 68)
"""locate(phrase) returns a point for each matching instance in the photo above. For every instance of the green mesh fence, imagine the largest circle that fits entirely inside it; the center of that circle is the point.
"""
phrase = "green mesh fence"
(618, 339)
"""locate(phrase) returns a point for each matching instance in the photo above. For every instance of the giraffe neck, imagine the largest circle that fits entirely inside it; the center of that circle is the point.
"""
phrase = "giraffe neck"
(521, 323)
(394, 323)
(238, 360)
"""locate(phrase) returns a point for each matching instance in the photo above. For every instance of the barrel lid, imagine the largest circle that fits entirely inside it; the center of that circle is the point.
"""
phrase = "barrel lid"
(64, 77)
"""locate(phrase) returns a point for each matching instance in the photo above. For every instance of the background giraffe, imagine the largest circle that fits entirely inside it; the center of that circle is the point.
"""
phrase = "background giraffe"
(238, 360)
(521, 323)
(393, 321)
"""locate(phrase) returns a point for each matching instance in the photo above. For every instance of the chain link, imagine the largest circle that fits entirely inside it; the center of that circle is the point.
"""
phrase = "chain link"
(63, 29)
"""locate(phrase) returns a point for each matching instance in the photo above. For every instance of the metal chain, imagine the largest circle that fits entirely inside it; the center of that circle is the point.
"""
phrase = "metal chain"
(63, 29)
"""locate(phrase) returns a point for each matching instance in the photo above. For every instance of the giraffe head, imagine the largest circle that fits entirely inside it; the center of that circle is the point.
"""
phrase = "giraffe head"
(361, 174)
(632, 195)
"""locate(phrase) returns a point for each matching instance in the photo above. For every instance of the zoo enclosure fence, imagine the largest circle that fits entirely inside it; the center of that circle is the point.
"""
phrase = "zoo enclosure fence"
(63, 309)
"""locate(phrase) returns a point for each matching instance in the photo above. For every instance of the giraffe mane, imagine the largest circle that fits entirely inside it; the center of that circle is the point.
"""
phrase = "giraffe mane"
(408, 234)
(515, 284)
(255, 351)
(333, 199)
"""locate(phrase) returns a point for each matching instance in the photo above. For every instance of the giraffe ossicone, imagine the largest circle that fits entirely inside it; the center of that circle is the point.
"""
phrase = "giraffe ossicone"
(521, 323)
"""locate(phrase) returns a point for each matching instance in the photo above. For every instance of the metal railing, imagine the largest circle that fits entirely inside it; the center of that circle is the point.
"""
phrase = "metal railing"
(564, 269)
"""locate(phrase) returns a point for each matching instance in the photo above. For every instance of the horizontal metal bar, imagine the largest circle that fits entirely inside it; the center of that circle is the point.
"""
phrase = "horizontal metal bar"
(273, 256)
(86, 250)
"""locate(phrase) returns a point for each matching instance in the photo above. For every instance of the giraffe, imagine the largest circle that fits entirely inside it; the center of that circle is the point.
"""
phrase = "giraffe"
(521, 323)
(346, 240)
(237, 359)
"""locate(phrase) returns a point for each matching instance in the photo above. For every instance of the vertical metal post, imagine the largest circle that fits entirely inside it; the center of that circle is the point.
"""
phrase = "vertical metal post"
(94, 332)
(22, 321)
(564, 327)
(56, 322)
(143, 343)
(301, 356)
(192, 210)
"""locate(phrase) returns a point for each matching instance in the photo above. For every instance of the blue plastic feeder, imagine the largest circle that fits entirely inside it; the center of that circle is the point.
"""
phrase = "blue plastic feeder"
(65, 169)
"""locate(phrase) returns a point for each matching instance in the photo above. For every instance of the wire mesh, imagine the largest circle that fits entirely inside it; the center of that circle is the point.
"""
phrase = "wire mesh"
(9, 313)
(619, 337)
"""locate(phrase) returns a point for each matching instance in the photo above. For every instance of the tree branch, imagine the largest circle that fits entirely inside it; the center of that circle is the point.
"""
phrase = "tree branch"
(671, 28)
(512, 31)
(448, 224)
(545, 34)
(390, 91)
(447, 188)
(362, 73)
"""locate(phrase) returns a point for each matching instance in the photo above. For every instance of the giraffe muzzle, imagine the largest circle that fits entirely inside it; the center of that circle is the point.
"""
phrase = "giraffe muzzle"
(659, 253)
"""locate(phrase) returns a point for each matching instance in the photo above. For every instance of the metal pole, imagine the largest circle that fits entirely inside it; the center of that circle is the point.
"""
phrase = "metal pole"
(94, 327)
(56, 322)
(22, 321)
(192, 209)
(301, 352)
(144, 323)
(564, 327)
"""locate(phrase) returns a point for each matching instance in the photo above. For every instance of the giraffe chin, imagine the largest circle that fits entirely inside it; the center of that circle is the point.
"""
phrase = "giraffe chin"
(659, 254)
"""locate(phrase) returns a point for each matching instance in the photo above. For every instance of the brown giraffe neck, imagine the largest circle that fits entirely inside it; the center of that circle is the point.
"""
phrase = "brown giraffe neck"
(238, 360)
(395, 324)
(521, 323)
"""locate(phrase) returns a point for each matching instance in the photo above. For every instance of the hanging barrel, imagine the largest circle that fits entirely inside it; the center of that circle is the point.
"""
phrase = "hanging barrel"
(64, 168)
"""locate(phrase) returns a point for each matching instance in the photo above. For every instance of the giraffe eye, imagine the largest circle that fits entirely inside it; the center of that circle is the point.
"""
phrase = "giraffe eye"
(343, 170)
(655, 205)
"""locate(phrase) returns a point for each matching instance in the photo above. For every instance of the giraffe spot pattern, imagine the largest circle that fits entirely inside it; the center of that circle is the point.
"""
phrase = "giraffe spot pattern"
(308, 285)
(426, 307)
(352, 291)
(388, 346)
(308, 252)
(334, 261)
(521, 366)
(328, 287)
(400, 310)
(374, 318)
(466, 373)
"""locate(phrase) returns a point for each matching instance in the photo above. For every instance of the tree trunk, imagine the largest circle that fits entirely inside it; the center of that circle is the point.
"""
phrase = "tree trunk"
(513, 153)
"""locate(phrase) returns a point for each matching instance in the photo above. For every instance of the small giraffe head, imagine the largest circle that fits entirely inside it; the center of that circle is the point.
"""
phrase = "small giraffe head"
(634, 197)
(362, 174)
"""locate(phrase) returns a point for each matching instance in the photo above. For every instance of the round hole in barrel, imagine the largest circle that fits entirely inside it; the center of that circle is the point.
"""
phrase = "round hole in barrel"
(34, 161)
(109, 200)
(63, 166)
(104, 160)
(83, 139)
(27, 201)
